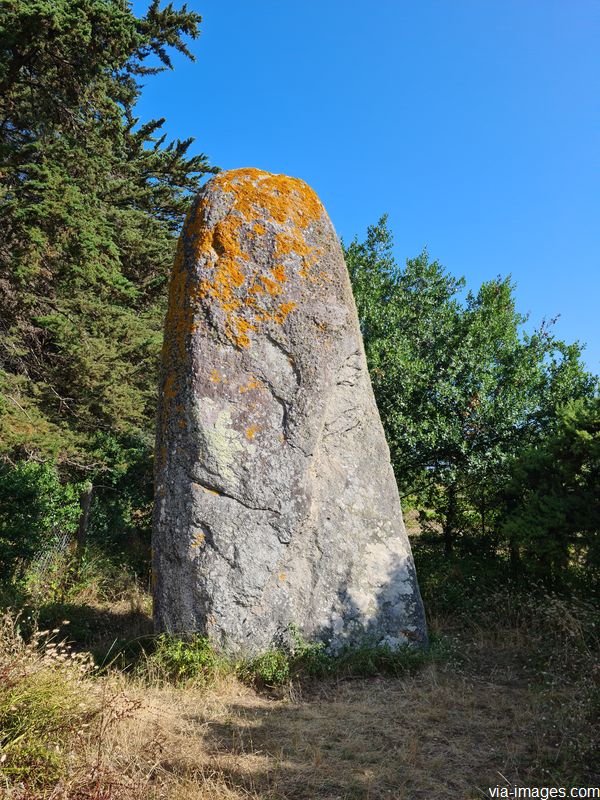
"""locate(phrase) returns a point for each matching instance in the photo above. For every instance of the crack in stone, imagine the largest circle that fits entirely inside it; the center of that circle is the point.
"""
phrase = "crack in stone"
(211, 541)
(221, 493)
(285, 414)
(301, 449)
(351, 428)
(341, 416)
(287, 356)
(348, 365)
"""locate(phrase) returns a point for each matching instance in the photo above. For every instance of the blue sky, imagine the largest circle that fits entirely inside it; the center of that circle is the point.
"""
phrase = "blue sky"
(473, 123)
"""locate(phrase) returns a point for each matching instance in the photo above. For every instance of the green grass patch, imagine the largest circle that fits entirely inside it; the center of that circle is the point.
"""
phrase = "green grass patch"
(193, 659)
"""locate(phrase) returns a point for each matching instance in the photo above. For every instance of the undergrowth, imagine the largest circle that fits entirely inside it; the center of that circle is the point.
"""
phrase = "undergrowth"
(65, 576)
(192, 659)
(180, 660)
(42, 705)
(59, 707)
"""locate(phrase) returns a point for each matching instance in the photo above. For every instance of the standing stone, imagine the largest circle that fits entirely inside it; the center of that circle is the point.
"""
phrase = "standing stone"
(276, 503)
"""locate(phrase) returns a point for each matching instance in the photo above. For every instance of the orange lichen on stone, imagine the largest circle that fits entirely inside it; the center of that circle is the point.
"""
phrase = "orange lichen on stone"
(285, 308)
(282, 311)
(241, 327)
(253, 383)
(272, 287)
(279, 273)
(242, 294)
(179, 325)
(281, 576)
(215, 376)
(287, 202)
(169, 390)
(198, 540)
(251, 432)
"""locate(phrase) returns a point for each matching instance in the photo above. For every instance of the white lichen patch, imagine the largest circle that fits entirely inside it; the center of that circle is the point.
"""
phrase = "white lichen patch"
(380, 578)
(222, 444)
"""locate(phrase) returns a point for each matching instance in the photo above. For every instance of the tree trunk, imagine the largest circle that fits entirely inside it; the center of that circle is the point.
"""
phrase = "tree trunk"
(515, 556)
(85, 503)
(450, 521)
(483, 510)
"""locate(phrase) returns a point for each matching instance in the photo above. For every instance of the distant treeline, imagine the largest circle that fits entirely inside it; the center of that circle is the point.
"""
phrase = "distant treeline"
(494, 433)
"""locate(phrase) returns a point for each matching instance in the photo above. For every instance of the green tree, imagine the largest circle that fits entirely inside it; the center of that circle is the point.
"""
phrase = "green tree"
(35, 508)
(91, 202)
(460, 386)
(552, 501)
(409, 320)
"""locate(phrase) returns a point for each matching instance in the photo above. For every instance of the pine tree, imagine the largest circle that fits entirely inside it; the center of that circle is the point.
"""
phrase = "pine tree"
(91, 201)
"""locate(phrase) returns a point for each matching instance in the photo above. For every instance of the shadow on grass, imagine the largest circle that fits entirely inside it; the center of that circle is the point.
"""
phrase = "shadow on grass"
(368, 740)
(107, 633)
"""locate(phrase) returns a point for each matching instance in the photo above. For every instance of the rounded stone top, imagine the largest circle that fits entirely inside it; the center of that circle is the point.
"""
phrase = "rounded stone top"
(284, 199)
(240, 216)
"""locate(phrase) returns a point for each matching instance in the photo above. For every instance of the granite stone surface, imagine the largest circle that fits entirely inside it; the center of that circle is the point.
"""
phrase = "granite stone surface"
(276, 503)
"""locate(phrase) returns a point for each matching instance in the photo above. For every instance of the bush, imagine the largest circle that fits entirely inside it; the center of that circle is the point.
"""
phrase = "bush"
(181, 660)
(454, 585)
(271, 668)
(35, 508)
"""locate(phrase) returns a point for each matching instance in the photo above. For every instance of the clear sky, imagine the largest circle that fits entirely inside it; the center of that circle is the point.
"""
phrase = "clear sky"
(474, 123)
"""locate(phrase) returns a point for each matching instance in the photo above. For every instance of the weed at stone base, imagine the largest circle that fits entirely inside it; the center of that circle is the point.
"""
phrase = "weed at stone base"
(168, 658)
(181, 659)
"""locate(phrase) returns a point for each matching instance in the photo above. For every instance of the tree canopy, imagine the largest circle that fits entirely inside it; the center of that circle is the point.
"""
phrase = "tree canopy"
(462, 387)
(477, 407)
(91, 200)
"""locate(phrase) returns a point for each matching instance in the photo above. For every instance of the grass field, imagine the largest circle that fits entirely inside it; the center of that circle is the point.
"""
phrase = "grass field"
(508, 696)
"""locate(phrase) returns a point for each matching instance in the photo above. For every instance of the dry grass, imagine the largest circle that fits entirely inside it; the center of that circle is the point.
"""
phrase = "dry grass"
(426, 737)
(435, 735)
(448, 731)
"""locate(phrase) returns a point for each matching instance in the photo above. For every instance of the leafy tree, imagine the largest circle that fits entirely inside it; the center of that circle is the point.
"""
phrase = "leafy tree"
(35, 508)
(460, 386)
(552, 501)
(409, 321)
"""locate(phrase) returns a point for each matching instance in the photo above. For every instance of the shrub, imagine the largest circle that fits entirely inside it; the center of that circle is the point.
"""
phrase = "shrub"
(34, 508)
(271, 668)
(181, 659)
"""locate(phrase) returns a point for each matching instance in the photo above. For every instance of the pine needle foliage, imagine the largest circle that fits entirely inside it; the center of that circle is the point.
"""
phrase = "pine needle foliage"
(91, 201)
